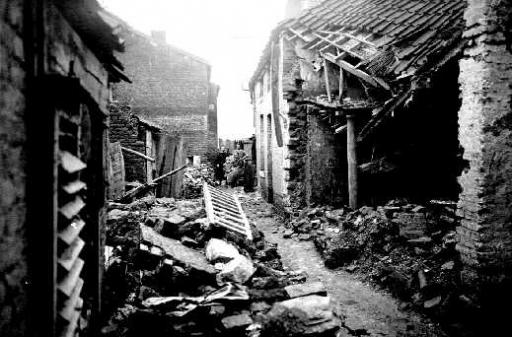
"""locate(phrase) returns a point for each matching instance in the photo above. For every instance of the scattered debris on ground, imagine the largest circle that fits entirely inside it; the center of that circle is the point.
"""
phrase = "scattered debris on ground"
(193, 180)
(408, 249)
(170, 272)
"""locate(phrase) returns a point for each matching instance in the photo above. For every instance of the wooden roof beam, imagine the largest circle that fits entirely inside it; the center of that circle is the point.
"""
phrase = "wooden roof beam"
(357, 72)
(337, 45)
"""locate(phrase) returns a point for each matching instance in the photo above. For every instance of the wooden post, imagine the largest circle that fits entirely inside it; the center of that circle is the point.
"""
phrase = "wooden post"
(352, 162)
(327, 84)
(149, 153)
(340, 90)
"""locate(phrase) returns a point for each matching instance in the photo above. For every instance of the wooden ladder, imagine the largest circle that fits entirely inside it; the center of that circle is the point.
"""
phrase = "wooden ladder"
(224, 209)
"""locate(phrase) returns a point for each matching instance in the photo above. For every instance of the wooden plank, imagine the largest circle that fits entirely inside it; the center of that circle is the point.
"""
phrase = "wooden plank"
(74, 187)
(68, 283)
(340, 129)
(70, 233)
(70, 304)
(137, 153)
(352, 162)
(225, 200)
(227, 216)
(340, 85)
(70, 329)
(71, 163)
(247, 225)
(326, 78)
(116, 172)
(356, 72)
(229, 225)
(238, 225)
(72, 208)
(337, 46)
(149, 153)
(69, 256)
(218, 209)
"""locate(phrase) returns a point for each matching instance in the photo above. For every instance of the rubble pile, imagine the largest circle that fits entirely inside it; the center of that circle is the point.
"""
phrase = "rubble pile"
(171, 273)
(407, 248)
(193, 180)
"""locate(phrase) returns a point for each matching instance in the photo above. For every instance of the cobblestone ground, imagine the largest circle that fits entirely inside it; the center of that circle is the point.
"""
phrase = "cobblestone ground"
(366, 311)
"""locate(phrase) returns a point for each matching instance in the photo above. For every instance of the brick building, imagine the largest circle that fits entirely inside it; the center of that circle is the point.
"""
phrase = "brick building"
(56, 64)
(170, 88)
(163, 152)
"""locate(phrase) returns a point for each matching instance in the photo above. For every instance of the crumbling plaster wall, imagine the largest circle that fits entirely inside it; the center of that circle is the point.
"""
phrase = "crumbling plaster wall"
(263, 109)
(485, 132)
(169, 88)
(13, 267)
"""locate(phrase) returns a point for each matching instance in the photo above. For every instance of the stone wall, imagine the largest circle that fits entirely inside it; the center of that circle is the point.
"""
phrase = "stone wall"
(125, 128)
(13, 267)
(485, 132)
(326, 165)
(171, 88)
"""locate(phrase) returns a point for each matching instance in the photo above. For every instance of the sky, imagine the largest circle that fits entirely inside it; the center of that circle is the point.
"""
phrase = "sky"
(230, 34)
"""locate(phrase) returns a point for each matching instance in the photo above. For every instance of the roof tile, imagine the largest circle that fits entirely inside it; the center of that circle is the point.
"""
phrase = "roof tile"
(413, 28)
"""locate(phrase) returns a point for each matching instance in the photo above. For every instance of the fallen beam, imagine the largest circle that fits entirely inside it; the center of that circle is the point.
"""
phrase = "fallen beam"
(138, 190)
(137, 153)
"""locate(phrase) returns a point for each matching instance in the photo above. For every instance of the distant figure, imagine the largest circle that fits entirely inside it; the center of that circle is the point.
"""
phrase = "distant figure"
(219, 165)
(249, 176)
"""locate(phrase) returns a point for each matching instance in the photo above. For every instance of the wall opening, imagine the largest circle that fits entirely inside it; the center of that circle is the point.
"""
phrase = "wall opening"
(270, 189)
(416, 154)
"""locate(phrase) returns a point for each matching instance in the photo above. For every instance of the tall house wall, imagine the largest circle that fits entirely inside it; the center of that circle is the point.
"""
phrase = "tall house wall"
(13, 243)
(170, 88)
(485, 132)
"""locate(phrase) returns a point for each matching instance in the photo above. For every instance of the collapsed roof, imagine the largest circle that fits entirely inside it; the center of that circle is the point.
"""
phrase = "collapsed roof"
(380, 41)
(96, 32)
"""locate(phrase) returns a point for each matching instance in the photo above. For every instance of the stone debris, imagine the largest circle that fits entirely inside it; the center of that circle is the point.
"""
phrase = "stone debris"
(302, 316)
(407, 248)
(170, 273)
(220, 251)
(239, 270)
(305, 289)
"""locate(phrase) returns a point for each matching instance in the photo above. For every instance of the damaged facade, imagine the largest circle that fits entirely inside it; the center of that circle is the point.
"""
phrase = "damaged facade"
(381, 68)
(57, 69)
(171, 88)
(358, 102)
(148, 151)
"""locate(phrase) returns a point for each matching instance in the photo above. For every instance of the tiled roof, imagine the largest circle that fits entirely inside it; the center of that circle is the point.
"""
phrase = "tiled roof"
(385, 38)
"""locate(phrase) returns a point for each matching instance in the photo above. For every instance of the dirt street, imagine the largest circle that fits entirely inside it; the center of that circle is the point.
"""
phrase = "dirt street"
(366, 311)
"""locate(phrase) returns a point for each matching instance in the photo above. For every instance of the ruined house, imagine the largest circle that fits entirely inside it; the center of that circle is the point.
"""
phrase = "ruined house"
(386, 69)
(358, 102)
(148, 151)
(171, 88)
(57, 66)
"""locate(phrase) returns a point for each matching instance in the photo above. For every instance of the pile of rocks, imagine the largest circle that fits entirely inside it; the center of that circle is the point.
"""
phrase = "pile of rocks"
(407, 248)
(170, 273)
(193, 180)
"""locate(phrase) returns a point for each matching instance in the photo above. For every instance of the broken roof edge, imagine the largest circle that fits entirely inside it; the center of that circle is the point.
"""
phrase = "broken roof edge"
(96, 33)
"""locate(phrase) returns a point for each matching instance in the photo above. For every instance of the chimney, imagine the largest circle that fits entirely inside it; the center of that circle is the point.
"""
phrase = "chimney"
(294, 7)
(158, 36)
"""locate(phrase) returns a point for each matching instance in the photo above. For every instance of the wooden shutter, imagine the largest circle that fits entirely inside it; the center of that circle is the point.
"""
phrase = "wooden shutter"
(70, 223)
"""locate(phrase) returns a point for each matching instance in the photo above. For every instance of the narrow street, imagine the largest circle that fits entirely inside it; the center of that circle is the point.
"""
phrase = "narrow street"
(365, 310)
